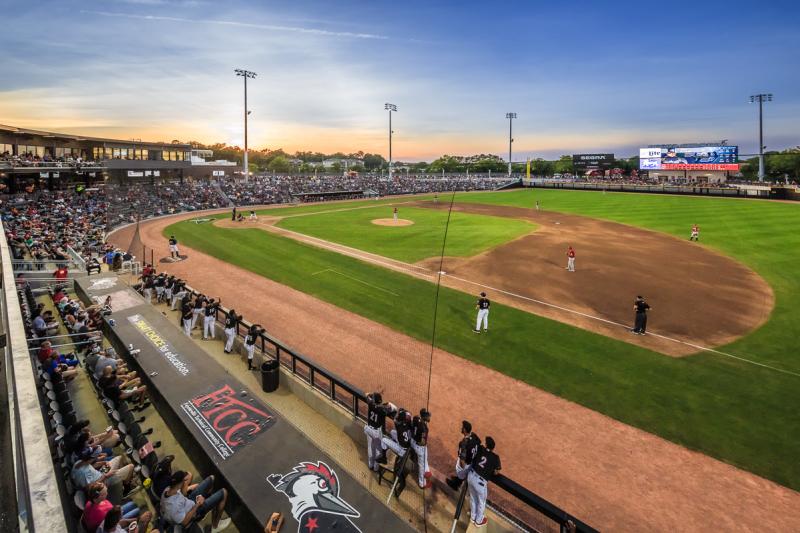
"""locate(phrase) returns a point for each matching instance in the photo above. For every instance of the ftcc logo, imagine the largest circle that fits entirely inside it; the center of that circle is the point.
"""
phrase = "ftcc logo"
(313, 491)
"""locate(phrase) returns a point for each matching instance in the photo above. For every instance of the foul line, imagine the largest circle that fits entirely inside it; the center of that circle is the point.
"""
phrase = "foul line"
(355, 279)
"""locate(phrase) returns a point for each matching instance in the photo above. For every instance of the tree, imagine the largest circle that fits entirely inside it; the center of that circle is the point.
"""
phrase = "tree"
(336, 168)
(280, 165)
(564, 165)
(540, 167)
(373, 161)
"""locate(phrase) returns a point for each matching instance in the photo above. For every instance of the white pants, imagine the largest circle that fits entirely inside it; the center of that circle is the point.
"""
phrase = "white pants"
(388, 443)
(462, 471)
(173, 249)
(208, 326)
(483, 315)
(148, 295)
(422, 461)
(196, 315)
(477, 497)
(571, 264)
(230, 335)
(159, 293)
(187, 327)
(374, 436)
(695, 235)
(176, 298)
(251, 349)
(168, 295)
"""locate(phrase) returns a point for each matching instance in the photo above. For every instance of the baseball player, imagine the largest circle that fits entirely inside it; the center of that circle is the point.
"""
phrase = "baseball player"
(253, 215)
(571, 259)
(173, 247)
(483, 313)
(199, 304)
(147, 288)
(394, 214)
(419, 443)
(376, 420)
(537, 205)
(233, 215)
(467, 448)
(485, 466)
(640, 306)
(250, 343)
(178, 293)
(168, 286)
(231, 327)
(186, 318)
(210, 318)
(159, 283)
(695, 236)
(399, 442)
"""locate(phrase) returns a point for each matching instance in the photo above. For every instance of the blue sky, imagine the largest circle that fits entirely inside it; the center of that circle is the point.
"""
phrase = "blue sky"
(582, 76)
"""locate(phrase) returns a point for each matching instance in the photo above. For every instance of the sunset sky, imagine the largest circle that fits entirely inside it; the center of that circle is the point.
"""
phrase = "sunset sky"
(581, 76)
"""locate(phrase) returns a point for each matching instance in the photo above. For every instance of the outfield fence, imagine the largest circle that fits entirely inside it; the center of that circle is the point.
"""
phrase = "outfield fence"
(687, 190)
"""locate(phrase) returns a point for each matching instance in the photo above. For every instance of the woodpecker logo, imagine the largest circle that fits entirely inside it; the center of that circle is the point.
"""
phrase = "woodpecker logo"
(313, 491)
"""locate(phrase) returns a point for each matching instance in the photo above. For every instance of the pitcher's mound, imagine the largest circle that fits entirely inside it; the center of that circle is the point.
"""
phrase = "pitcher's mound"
(392, 222)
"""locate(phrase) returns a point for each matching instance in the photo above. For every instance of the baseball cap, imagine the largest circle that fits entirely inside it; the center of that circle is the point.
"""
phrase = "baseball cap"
(489, 443)
(483, 294)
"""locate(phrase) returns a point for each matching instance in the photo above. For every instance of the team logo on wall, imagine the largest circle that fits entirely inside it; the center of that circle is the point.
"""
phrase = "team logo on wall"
(227, 422)
(313, 491)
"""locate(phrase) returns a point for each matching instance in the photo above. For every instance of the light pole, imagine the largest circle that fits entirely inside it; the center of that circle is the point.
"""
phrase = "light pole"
(245, 74)
(390, 108)
(510, 117)
(761, 98)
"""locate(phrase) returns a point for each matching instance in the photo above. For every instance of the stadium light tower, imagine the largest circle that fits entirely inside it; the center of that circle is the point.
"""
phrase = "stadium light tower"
(390, 107)
(245, 74)
(761, 98)
(510, 117)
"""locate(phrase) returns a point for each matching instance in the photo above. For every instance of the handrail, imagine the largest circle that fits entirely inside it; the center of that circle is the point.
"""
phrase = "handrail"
(509, 486)
(34, 470)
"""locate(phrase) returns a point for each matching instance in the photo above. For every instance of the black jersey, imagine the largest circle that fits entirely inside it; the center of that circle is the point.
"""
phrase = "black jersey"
(484, 303)
(187, 312)
(231, 322)
(486, 463)
(376, 415)
(198, 302)
(250, 339)
(211, 309)
(641, 306)
(403, 429)
(172, 242)
(420, 431)
(468, 448)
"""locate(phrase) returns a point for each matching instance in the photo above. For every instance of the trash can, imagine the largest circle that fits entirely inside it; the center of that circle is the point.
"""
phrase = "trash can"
(270, 375)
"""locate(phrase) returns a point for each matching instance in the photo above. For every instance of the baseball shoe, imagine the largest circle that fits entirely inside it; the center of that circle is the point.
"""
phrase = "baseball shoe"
(482, 522)
(428, 474)
(427, 485)
(476, 331)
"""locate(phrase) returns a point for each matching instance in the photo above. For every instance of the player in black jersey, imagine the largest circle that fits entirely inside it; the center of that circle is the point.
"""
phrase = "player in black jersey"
(483, 313)
(485, 465)
(231, 327)
(187, 312)
(376, 421)
(467, 448)
(250, 343)
(399, 441)
(419, 444)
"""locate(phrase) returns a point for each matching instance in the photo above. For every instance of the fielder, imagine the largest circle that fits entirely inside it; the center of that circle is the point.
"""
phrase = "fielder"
(483, 313)
(394, 214)
(484, 467)
(173, 247)
(231, 326)
(376, 420)
(253, 215)
(419, 443)
(695, 236)
(571, 259)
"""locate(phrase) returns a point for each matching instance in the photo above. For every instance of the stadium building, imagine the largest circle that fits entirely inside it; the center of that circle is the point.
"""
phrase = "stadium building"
(50, 160)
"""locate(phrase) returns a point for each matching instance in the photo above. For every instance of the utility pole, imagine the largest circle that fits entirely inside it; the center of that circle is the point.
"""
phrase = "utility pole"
(761, 98)
(390, 107)
(245, 74)
(510, 117)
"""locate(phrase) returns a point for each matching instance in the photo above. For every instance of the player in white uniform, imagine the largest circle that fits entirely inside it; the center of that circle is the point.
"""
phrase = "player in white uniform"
(485, 466)
(695, 236)
(173, 247)
(376, 420)
(483, 313)
(253, 215)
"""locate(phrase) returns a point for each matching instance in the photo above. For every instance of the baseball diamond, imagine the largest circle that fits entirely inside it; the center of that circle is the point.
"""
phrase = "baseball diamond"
(713, 374)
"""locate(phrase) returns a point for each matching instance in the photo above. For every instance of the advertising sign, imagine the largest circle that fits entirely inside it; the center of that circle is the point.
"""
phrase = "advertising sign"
(583, 162)
(689, 158)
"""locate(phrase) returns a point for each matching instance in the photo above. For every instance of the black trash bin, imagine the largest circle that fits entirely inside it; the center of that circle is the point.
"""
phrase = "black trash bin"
(270, 375)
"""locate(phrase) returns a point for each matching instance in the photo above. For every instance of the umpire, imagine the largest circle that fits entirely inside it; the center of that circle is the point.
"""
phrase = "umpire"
(640, 307)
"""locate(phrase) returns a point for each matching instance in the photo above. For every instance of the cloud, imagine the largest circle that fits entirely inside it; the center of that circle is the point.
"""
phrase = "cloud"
(271, 27)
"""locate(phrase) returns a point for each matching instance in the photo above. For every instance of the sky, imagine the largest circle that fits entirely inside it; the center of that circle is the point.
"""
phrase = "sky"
(582, 76)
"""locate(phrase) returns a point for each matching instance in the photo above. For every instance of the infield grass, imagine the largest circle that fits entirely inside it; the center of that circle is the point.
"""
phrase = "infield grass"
(740, 413)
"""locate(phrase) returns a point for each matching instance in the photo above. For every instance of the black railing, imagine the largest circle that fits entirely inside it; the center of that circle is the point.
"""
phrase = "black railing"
(354, 400)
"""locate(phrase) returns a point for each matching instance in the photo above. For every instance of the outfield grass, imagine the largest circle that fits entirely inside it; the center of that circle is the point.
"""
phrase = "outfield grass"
(467, 235)
(740, 413)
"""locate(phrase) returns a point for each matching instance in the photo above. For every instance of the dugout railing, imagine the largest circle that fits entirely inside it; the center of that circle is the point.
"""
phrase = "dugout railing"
(354, 400)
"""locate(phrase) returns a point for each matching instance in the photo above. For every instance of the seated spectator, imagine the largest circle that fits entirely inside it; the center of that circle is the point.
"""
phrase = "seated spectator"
(46, 352)
(114, 522)
(84, 471)
(44, 325)
(162, 476)
(107, 359)
(61, 273)
(79, 436)
(181, 506)
(98, 506)
(52, 366)
(118, 389)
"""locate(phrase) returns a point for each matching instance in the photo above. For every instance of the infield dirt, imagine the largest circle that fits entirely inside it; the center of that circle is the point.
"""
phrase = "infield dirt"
(613, 475)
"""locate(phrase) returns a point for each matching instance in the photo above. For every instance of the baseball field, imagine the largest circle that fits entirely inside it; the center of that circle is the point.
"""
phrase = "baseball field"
(718, 375)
